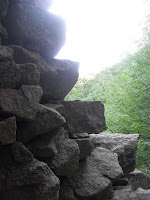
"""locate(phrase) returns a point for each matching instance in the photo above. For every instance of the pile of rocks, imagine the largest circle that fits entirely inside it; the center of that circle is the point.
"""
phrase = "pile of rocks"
(47, 147)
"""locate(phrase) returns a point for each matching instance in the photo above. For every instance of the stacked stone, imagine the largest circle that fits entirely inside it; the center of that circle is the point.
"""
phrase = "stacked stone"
(47, 147)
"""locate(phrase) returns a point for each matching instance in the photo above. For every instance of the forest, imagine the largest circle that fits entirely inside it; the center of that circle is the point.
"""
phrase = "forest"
(124, 90)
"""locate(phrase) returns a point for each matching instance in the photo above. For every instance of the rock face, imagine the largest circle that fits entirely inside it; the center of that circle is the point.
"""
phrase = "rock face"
(48, 147)
(35, 29)
(125, 145)
(84, 117)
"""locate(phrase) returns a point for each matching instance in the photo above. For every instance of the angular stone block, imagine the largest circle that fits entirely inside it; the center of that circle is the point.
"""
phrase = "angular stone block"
(84, 116)
(125, 145)
(8, 131)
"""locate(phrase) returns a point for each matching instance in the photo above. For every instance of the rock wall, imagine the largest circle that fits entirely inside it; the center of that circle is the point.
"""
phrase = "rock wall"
(49, 148)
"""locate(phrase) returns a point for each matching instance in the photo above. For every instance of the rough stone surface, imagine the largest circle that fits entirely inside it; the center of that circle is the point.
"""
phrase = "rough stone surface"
(8, 131)
(35, 29)
(58, 151)
(6, 53)
(142, 194)
(139, 179)
(45, 121)
(56, 87)
(85, 146)
(93, 178)
(84, 116)
(124, 194)
(3, 8)
(125, 145)
(21, 103)
(3, 34)
(14, 76)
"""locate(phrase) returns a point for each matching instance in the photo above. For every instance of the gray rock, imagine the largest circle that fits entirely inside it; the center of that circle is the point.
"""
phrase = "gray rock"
(6, 53)
(14, 76)
(3, 8)
(56, 87)
(56, 77)
(34, 180)
(8, 131)
(84, 116)
(85, 146)
(142, 194)
(21, 103)
(46, 120)
(58, 107)
(139, 179)
(93, 178)
(124, 194)
(125, 145)
(58, 151)
(36, 29)
(3, 34)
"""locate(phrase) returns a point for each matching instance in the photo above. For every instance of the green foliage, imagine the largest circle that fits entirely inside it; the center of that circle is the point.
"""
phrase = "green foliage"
(125, 91)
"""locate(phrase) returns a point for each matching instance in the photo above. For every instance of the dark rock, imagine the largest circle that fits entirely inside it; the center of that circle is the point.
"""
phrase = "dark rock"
(142, 194)
(93, 178)
(36, 29)
(84, 116)
(57, 77)
(58, 151)
(85, 146)
(58, 107)
(125, 145)
(124, 194)
(123, 181)
(139, 179)
(46, 120)
(3, 34)
(3, 8)
(34, 177)
(21, 103)
(14, 76)
(56, 87)
(6, 53)
(8, 131)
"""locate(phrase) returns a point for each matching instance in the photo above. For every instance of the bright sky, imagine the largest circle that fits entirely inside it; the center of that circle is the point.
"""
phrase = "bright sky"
(99, 31)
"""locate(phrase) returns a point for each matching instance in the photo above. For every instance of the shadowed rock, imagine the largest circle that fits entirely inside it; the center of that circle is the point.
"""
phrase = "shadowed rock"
(3, 8)
(125, 145)
(6, 53)
(35, 29)
(8, 131)
(3, 34)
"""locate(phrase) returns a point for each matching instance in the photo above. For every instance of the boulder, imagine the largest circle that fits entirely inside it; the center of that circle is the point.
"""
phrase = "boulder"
(6, 53)
(33, 180)
(21, 103)
(93, 178)
(86, 146)
(3, 35)
(142, 194)
(124, 194)
(125, 145)
(8, 131)
(139, 179)
(84, 116)
(3, 8)
(58, 151)
(46, 120)
(35, 29)
(14, 76)
(56, 87)
(57, 77)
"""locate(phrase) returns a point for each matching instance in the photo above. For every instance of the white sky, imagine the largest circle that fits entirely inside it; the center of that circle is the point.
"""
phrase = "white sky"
(99, 31)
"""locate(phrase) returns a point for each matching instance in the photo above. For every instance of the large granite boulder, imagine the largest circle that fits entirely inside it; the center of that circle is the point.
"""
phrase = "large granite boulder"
(14, 76)
(58, 151)
(57, 77)
(8, 131)
(93, 178)
(35, 29)
(84, 116)
(124, 194)
(125, 145)
(46, 120)
(21, 103)
(23, 177)
(142, 194)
